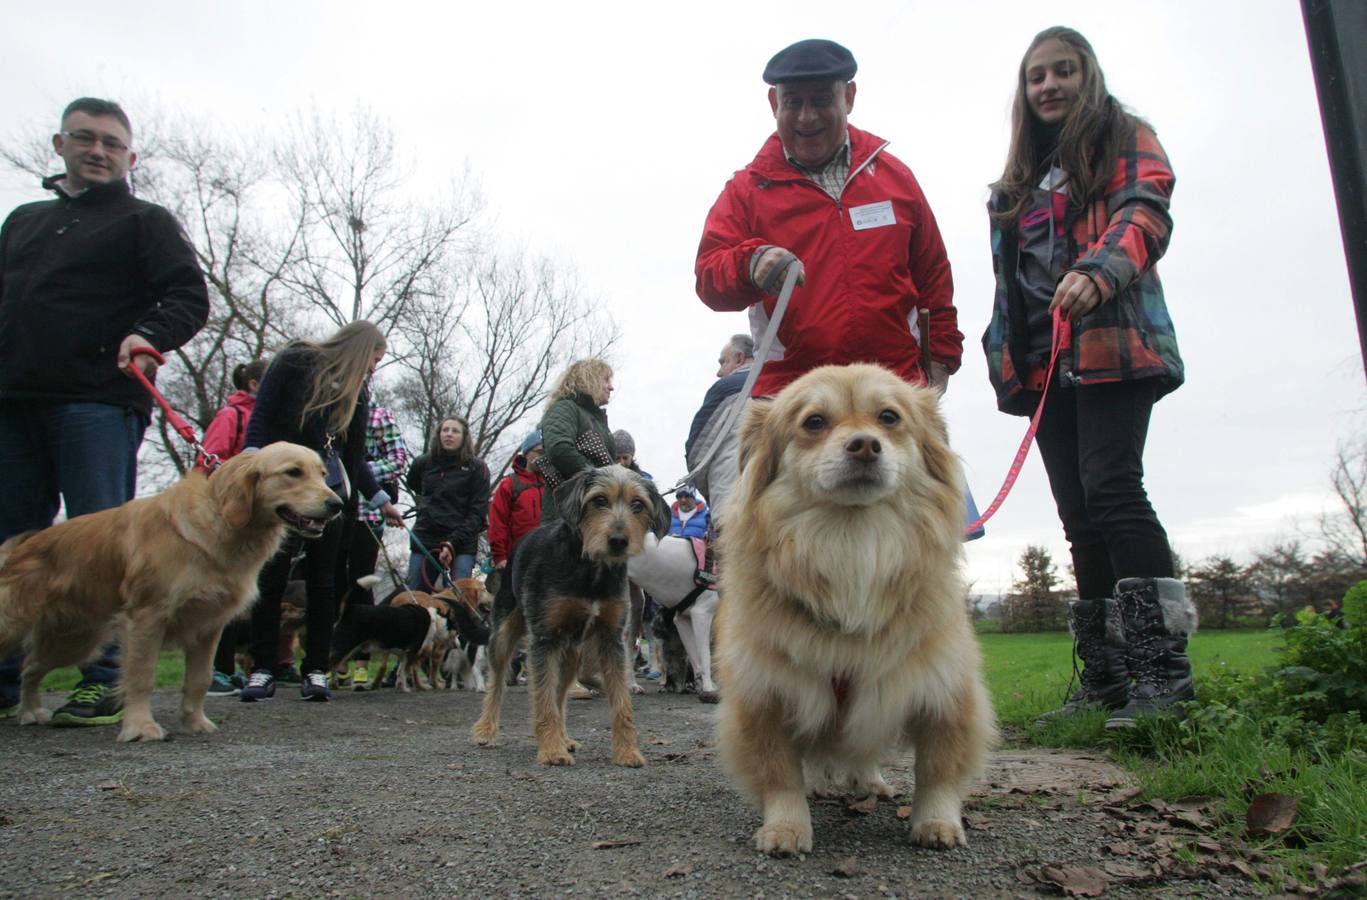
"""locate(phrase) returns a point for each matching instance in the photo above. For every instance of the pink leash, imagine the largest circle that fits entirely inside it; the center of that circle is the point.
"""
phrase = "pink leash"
(177, 421)
(1061, 333)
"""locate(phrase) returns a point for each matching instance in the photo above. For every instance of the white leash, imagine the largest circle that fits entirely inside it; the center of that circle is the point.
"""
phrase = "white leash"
(761, 354)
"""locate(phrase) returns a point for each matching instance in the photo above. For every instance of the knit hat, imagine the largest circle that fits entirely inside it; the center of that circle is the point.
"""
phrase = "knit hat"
(622, 440)
(686, 490)
(529, 442)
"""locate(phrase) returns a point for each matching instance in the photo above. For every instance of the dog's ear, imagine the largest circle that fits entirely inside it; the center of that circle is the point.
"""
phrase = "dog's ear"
(759, 447)
(569, 498)
(660, 516)
(940, 460)
(233, 487)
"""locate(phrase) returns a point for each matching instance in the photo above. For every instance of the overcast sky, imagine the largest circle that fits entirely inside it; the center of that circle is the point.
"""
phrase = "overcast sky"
(602, 133)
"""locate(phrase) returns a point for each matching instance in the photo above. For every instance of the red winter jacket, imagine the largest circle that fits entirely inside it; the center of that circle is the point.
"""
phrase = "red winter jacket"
(227, 433)
(509, 519)
(862, 286)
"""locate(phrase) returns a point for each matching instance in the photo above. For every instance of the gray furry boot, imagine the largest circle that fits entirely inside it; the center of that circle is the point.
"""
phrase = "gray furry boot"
(1158, 618)
(1104, 682)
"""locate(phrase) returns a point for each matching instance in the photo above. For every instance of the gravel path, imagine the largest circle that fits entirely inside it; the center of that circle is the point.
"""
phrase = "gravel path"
(382, 795)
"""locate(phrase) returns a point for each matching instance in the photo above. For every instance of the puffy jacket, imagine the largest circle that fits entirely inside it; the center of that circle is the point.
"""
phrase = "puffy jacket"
(695, 527)
(567, 424)
(510, 518)
(227, 433)
(1116, 239)
(863, 287)
(453, 500)
(77, 276)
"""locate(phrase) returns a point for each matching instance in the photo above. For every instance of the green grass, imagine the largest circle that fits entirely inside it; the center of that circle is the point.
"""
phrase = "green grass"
(170, 673)
(1028, 674)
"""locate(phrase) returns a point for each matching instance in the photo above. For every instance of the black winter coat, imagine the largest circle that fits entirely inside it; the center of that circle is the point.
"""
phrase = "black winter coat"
(453, 500)
(77, 276)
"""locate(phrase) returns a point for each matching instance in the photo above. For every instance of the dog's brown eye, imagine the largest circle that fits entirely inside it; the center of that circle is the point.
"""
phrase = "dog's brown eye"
(638, 506)
(295, 472)
(889, 418)
(814, 423)
(600, 501)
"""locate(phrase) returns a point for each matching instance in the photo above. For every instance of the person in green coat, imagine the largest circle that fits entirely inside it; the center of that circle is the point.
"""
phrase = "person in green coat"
(574, 428)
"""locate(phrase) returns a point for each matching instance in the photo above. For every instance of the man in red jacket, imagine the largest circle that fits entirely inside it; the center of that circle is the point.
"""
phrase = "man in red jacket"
(830, 199)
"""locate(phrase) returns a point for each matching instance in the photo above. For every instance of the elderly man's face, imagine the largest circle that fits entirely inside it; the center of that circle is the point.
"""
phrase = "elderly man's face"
(811, 117)
(728, 360)
(686, 503)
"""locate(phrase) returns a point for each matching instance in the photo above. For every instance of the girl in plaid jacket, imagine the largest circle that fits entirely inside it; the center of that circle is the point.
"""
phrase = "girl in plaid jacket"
(1079, 218)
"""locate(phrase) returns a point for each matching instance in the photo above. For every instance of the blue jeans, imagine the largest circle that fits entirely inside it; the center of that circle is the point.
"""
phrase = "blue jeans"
(418, 580)
(84, 455)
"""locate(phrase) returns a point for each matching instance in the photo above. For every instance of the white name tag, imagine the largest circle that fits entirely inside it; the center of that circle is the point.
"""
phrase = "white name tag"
(872, 215)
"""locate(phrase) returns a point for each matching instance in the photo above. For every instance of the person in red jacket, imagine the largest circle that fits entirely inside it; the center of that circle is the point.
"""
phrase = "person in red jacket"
(227, 433)
(829, 198)
(516, 505)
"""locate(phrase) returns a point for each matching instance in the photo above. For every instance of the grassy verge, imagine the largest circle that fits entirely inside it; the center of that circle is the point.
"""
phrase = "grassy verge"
(1223, 750)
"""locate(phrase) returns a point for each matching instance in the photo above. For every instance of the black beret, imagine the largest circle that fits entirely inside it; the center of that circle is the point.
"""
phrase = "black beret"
(811, 60)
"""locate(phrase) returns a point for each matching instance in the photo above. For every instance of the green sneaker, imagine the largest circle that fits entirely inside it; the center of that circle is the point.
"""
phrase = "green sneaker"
(90, 704)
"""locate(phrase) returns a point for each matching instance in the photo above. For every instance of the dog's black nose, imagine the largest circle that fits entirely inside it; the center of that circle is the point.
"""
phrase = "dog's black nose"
(863, 447)
(617, 543)
(334, 504)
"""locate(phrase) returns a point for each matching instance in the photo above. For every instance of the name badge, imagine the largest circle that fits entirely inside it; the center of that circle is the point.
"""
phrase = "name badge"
(872, 215)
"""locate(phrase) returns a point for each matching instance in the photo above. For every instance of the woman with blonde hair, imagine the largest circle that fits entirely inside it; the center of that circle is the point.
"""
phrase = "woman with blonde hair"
(1079, 219)
(315, 394)
(574, 428)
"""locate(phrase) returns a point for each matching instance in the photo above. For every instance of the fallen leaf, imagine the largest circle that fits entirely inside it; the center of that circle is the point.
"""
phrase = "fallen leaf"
(846, 868)
(1208, 845)
(1122, 848)
(661, 742)
(1125, 795)
(1270, 813)
(109, 786)
(865, 806)
(904, 812)
(975, 821)
(1190, 818)
(678, 870)
(1075, 881)
(609, 845)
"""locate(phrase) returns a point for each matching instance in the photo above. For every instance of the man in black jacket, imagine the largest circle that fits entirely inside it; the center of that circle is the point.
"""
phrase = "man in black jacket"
(85, 279)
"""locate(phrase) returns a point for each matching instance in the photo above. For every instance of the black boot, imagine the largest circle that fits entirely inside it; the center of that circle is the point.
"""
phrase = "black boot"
(1105, 682)
(1158, 618)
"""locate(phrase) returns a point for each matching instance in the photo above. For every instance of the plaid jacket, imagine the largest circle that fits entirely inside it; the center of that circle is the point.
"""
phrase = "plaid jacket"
(1116, 239)
(387, 455)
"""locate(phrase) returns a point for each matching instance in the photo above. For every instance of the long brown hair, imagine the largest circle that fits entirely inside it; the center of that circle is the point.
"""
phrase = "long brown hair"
(341, 368)
(464, 453)
(1089, 140)
(584, 376)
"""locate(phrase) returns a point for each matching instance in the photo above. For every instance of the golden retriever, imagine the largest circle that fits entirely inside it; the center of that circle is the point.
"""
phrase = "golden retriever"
(173, 567)
(842, 632)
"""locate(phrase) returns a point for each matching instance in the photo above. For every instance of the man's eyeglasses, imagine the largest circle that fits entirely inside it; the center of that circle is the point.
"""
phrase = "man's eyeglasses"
(87, 139)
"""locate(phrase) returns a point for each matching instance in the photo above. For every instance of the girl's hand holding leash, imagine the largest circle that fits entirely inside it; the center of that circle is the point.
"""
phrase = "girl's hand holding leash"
(1077, 295)
(391, 514)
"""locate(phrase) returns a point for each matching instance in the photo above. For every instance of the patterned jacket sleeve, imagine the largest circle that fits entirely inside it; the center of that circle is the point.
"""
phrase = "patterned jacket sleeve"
(1138, 225)
(385, 447)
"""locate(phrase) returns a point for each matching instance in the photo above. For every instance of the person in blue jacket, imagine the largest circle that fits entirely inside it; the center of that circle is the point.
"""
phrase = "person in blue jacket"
(688, 515)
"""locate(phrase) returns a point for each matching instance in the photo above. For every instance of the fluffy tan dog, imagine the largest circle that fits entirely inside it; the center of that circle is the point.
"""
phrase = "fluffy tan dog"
(174, 567)
(842, 633)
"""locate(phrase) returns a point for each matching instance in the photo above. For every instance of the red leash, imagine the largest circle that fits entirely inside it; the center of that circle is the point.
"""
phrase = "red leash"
(182, 427)
(1061, 335)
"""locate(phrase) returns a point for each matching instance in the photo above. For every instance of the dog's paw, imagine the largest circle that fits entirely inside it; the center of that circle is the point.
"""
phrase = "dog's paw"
(784, 839)
(709, 697)
(938, 835)
(571, 745)
(554, 757)
(199, 724)
(141, 731)
(630, 757)
(635, 688)
(483, 734)
(37, 716)
(874, 786)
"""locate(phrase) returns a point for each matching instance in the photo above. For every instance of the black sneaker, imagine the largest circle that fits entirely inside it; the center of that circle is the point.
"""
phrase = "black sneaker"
(315, 687)
(261, 686)
(288, 675)
(90, 704)
(222, 686)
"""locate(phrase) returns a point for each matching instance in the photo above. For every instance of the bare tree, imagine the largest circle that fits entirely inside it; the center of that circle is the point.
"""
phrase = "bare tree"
(1346, 531)
(368, 248)
(491, 352)
(1222, 590)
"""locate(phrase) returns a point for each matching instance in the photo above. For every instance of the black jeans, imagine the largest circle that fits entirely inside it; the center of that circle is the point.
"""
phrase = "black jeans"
(318, 569)
(1091, 439)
